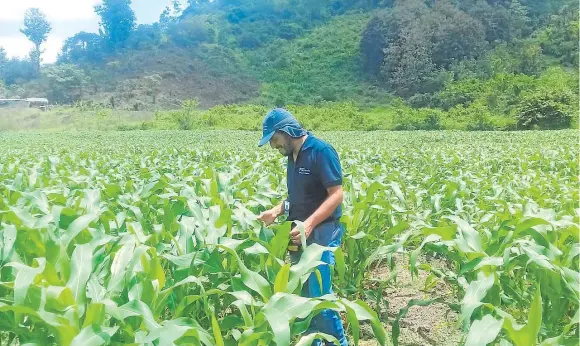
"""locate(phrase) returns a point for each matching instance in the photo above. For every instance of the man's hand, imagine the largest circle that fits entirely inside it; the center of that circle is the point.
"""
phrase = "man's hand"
(295, 233)
(268, 216)
(322, 213)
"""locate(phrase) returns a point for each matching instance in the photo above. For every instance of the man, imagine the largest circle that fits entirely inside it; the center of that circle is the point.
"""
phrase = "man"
(314, 181)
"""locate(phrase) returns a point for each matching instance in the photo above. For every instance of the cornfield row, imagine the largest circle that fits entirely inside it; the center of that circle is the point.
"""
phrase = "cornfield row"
(151, 238)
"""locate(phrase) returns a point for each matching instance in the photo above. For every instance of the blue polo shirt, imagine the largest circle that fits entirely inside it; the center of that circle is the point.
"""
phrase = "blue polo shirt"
(317, 168)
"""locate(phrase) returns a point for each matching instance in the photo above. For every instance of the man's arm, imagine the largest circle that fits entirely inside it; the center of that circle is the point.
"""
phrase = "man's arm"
(278, 210)
(329, 205)
(334, 199)
(269, 216)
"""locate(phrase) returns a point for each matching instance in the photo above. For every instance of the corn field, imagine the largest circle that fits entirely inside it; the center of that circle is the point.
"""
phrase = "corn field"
(151, 238)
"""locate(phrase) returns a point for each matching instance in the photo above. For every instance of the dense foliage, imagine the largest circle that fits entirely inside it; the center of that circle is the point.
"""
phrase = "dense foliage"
(429, 54)
(152, 238)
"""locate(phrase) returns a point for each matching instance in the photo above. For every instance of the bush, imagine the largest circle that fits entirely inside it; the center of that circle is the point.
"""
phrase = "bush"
(546, 109)
(421, 119)
(191, 32)
(187, 116)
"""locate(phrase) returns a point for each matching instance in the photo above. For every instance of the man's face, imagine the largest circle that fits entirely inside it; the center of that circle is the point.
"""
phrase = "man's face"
(282, 143)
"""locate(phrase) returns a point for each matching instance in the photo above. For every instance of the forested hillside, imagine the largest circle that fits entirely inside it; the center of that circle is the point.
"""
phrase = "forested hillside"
(492, 61)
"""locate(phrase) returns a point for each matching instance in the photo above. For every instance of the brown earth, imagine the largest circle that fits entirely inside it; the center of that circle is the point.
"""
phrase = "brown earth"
(182, 75)
(435, 324)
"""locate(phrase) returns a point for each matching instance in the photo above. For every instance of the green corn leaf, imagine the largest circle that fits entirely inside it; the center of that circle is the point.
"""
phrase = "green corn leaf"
(309, 261)
(281, 281)
(476, 291)
(94, 335)
(95, 314)
(24, 278)
(363, 312)
(253, 280)
(7, 240)
(78, 225)
(219, 341)
(81, 268)
(484, 331)
(340, 265)
(528, 334)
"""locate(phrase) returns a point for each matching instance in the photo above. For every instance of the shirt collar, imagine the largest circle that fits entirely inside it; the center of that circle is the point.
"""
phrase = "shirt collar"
(309, 142)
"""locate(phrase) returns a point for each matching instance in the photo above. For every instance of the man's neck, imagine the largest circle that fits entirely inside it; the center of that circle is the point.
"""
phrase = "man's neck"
(297, 145)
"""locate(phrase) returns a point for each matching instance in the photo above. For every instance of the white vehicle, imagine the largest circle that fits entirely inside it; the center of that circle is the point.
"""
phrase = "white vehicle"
(41, 103)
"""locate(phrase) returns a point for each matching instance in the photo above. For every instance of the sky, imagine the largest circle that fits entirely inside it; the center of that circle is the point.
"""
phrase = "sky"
(67, 18)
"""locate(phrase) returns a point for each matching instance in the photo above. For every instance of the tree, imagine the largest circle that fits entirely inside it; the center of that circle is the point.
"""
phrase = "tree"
(145, 37)
(409, 48)
(153, 86)
(456, 35)
(503, 21)
(560, 38)
(385, 29)
(65, 82)
(373, 41)
(18, 71)
(3, 62)
(117, 21)
(170, 14)
(547, 109)
(84, 47)
(191, 31)
(36, 28)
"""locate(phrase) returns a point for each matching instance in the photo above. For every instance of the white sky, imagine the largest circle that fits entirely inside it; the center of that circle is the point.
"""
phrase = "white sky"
(67, 17)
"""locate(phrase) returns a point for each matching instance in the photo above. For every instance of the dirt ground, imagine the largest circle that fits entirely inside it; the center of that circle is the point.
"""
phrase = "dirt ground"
(435, 324)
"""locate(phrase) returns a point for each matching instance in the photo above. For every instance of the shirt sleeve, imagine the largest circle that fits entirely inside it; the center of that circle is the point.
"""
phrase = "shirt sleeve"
(329, 167)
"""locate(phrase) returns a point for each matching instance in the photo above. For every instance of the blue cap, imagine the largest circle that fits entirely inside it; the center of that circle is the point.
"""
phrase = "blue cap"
(279, 119)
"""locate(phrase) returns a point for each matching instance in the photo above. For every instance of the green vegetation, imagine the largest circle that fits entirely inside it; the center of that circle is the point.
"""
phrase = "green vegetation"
(508, 102)
(321, 66)
(487, 64)
(152, 237)
(123, 235)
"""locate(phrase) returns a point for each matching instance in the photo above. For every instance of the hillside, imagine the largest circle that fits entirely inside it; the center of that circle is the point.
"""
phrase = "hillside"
(182, 74)
(470, 58)
(324, 64)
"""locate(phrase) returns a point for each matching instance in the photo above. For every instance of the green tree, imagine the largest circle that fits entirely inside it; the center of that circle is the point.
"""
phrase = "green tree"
(192, 31)
(373, 40)
(3, 62)
(456, 35)
(503, 21)
(170, 14)
(18, 71)
(418, 44)
(65, 82)
(36, 29)
(547, 110)
(560, 38)
(153, 86)
(117, 21)
(84, 47)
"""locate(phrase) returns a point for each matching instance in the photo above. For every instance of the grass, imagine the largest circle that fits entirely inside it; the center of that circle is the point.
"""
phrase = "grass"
(69, 118)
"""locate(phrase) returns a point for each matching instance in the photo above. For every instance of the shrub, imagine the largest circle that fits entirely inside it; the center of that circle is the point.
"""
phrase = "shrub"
(546, 109)
(186, 117)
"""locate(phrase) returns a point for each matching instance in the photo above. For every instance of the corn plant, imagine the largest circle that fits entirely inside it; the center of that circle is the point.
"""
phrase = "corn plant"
(151, 237)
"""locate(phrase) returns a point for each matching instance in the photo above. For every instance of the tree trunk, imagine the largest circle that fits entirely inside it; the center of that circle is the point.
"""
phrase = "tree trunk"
(37, 60)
